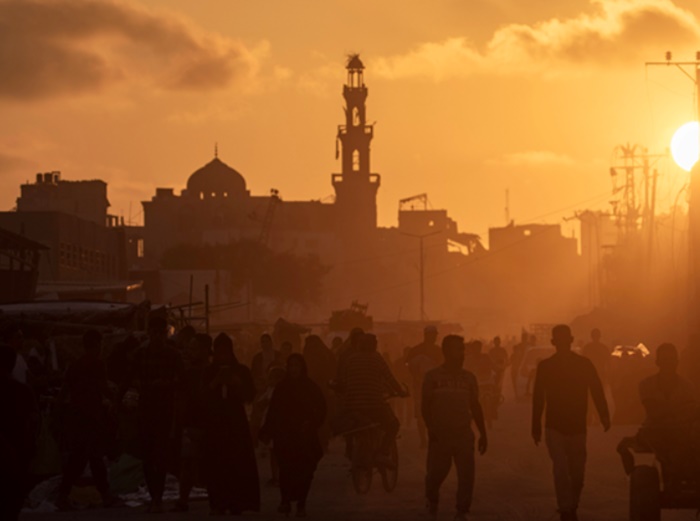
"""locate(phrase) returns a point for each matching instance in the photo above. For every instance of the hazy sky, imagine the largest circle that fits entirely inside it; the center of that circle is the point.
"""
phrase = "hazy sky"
(471, 97)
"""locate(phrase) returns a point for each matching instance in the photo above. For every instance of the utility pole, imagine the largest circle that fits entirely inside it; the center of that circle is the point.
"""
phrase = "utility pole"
(693, 203)
(507, 207)
(631, 158)
(421, 268)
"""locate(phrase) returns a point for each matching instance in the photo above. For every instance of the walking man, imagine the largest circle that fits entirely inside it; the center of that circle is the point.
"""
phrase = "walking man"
(563, 383)
(450, 403)
(157, 372)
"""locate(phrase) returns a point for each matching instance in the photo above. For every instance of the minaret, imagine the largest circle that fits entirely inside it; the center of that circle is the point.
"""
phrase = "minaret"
(355, 188)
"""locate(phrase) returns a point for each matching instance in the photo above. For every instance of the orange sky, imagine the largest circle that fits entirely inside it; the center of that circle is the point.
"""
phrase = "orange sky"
(470, 98)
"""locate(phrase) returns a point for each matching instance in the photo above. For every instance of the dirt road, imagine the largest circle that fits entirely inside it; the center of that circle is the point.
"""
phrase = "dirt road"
(513, 483)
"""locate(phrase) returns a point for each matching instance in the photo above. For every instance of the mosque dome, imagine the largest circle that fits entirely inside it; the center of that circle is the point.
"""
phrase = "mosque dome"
(216, 179)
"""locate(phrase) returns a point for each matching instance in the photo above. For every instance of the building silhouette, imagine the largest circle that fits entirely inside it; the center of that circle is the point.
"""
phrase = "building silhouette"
(424, 268)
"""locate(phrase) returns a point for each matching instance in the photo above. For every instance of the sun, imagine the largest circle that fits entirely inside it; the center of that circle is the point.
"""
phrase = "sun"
(685, 145)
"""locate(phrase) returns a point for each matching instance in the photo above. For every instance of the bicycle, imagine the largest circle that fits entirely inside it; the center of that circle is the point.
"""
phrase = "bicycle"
(364, 438)
(364, 462)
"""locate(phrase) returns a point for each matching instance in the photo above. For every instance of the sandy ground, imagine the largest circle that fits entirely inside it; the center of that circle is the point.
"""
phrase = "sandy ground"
(513, 482)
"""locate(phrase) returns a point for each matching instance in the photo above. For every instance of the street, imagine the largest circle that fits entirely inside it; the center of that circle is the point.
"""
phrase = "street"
(513, 483)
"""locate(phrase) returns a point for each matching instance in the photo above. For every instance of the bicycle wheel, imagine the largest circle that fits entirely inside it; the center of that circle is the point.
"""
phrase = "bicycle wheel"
(361, 465)
(390, 474)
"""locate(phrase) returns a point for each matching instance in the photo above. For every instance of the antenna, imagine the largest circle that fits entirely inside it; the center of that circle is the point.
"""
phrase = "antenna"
(216, 150)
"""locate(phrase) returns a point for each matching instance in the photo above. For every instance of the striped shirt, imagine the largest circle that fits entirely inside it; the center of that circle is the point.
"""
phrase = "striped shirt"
(365, 379)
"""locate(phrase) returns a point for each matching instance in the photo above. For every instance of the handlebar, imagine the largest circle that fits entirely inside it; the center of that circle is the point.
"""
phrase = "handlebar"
(334, 386)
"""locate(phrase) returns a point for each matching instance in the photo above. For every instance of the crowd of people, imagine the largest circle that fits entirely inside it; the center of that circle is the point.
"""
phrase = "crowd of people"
(188, 405)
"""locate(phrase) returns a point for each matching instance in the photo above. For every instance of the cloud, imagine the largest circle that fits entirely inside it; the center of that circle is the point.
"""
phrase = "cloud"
(618, 32)
(533, 158)
(50, 48)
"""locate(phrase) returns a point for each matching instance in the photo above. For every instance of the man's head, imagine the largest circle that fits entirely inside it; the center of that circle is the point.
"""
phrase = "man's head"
(453, 350)
(157, 331)
(266, 343)
(595, 334)
(92, 343)
(562, 338)
(223, 350)
(430, 334)
(497, 341)
(186, 334)
(667, 358)
(8, 358)
(368, 343)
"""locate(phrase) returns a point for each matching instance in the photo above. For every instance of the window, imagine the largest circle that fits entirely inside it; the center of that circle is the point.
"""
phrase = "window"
(139, 248)
(356, 161)
(356, 117)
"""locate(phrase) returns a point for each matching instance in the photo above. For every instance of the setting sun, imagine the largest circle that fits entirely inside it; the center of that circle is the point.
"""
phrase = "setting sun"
(685, 145)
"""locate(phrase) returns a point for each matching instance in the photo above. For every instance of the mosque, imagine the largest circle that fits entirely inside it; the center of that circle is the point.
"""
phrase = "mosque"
(217, 207)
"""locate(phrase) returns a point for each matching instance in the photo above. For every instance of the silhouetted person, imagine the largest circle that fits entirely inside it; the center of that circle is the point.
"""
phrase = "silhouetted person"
(190, 415)
(157, 370)
(670, 406)
(120, 363)
(450, 404)
(349, 347)
(516, 360)
(259, 410)
(42, 360)
(297, 411)
(364, 381)
(184, 337)
(18, 430)
(229, 460)
(85, 398)
(286, 349)
(320, 363)
(260, 367)
(405, 409)
(689, 366)
(562, 385)
(262, 361)
(421, 359)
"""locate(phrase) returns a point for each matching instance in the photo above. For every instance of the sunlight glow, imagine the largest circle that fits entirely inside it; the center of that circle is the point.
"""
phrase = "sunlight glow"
(685, 145)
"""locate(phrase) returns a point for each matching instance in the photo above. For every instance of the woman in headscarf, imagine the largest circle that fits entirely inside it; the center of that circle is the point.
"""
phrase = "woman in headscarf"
(297, 411)
(230, 467)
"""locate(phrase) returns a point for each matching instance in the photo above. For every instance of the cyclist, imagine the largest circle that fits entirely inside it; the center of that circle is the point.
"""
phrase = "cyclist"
(364, 381)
